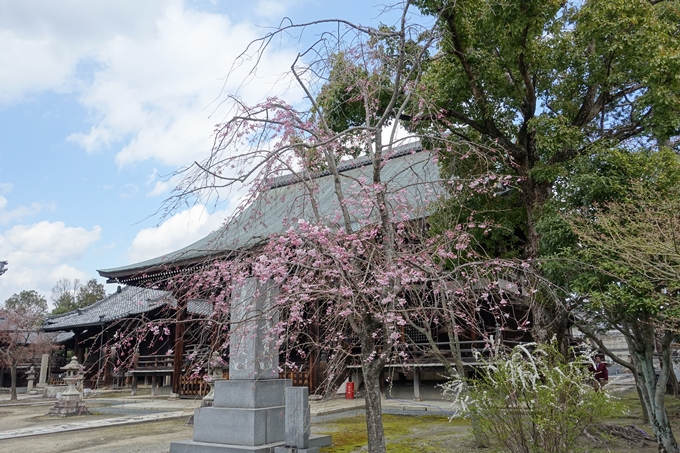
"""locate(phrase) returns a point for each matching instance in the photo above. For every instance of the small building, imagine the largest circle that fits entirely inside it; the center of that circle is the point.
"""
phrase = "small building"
(89, 334)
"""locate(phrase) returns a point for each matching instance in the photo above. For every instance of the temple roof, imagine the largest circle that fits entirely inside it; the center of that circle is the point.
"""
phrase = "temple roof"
(127, 302)
(410, 174)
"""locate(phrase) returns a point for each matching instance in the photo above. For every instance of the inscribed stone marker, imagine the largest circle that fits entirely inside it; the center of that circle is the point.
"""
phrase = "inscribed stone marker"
(253, 349)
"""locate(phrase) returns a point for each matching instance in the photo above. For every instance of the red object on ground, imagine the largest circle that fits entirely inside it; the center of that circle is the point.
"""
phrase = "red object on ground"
(349, 391)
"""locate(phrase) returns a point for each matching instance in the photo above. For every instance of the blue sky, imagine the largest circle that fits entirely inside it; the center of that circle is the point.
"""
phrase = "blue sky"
(99, 99)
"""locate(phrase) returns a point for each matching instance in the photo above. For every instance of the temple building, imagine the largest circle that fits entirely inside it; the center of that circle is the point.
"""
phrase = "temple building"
(410, 174)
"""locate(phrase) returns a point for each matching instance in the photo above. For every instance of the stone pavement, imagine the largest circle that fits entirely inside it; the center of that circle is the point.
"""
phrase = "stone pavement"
(169, 408)
(392, 405)
(87, 424)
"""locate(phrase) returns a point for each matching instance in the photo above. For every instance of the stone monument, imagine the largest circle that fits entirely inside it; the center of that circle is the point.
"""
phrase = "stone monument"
(44, 368)
(247, 414)
(71, 402)
(248, 410)
(298, 422)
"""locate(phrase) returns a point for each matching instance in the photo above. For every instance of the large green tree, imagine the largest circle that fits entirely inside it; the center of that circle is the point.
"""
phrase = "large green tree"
(542, 83)
(69, 295)
(627, 268)
(21, 341)
(27, 301)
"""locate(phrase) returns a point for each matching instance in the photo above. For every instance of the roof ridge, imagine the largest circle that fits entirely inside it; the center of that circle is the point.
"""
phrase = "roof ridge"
(363, 161)
(125, 288)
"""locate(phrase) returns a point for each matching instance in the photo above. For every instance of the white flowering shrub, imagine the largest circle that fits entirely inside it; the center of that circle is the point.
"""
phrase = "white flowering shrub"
(531, 400)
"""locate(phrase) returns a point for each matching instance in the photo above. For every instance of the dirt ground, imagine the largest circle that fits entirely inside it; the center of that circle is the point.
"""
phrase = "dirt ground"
(404, 433)
(153, 437)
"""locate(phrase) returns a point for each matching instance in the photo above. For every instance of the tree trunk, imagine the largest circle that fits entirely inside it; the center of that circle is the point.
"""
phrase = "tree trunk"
(549, 316)
(13, 391)
(645, 411)
(550, 322)
(641, 343)
(374, 424)
(672, 385)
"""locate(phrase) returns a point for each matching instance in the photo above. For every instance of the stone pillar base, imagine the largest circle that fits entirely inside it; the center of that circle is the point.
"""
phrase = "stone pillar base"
(296, 450)
(191, 446)
(69, 406)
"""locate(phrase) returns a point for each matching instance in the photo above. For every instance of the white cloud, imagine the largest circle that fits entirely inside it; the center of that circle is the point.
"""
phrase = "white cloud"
(150, 73)
(178, 231)
(128, 190)
(155, 92)
(271, 8)
(6, 187)
(39, 255)
(161, 187)
(20, 212)
(43, 41)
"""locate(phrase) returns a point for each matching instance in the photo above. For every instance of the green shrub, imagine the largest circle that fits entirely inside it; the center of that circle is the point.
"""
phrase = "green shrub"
(532, 400)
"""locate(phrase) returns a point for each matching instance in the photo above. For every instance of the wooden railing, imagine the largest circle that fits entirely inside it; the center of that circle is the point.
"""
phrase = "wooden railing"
(299, 378)
(194, 386)
(56, 379)
(154, 362)
(197, 386)
(423, 351)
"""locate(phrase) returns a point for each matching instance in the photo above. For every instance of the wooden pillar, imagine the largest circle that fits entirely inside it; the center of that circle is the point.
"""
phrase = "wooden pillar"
(104, 362)
(180, 318)
(133, 385)
(154, 385)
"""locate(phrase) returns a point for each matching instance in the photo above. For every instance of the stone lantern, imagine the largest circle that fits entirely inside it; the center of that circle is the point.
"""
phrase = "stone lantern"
(71, 402)
(216, 366)
(31, 381)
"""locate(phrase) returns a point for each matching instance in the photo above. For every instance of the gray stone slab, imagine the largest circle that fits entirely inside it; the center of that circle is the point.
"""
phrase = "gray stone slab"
(298, 420)
(250, 394)
(190, 446)
(276, 425)
(414, 408)
(253, 349)
(239, 426)
(318, 440)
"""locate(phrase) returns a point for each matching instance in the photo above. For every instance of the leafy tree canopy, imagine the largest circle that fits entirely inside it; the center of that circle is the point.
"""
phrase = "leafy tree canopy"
(69, 295)
(548, 82)
(626, 266)
(27, 302)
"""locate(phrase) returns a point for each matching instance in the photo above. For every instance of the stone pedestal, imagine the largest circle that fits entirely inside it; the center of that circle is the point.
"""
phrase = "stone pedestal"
(69, 405)
(246, 416)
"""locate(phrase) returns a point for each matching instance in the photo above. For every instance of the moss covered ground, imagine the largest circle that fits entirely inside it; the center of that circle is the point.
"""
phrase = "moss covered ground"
(436, 434)
(403, 433)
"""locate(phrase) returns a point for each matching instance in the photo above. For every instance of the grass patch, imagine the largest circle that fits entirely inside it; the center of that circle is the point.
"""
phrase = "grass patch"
(349, 433)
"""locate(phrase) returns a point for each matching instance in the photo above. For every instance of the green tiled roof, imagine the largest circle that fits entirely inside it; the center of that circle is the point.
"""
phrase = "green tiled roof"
(411, 175)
